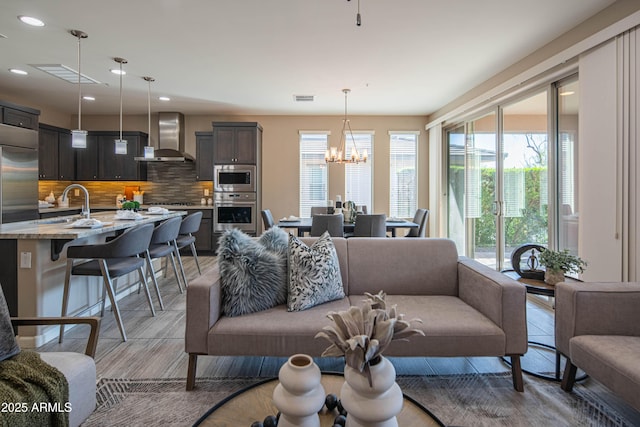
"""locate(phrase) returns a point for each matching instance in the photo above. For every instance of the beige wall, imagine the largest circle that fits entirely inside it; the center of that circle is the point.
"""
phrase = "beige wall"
(280, 164)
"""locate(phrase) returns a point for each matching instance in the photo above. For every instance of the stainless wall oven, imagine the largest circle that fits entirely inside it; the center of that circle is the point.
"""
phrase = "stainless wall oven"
(235, 178)
(235, 210)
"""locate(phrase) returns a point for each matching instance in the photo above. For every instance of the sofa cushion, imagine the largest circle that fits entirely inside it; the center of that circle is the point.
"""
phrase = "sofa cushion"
(452, 328)
(314, 273)
(8, 344)
(413, 266)
(273, 332)
(252, 271)
(612, 360)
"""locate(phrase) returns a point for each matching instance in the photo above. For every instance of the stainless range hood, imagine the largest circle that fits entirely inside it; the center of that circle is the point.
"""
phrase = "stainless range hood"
(170, 140)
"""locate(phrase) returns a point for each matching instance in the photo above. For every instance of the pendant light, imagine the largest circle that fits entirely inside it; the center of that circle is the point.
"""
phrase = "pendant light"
(79, 136)
(335, 155)
(148, 150)
(121, 144)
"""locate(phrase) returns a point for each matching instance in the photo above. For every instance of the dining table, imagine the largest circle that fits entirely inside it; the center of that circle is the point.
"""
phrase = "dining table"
(303, 225)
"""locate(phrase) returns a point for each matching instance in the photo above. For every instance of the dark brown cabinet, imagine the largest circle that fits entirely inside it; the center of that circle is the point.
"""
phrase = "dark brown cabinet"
(16, 115)
(121, 167)
(236, 142)
(87, 160)
(204, 156)
(56, 157)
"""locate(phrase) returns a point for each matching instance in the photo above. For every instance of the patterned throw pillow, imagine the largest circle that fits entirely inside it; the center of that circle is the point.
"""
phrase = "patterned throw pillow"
(8, 344)
(314, 273)
(253, 272)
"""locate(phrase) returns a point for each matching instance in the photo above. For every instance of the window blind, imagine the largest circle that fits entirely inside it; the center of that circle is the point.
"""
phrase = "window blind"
(358, 176)
(403, 184)
(313, 171)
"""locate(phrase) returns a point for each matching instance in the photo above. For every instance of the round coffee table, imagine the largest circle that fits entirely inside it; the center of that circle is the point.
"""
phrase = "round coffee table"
(254, 403)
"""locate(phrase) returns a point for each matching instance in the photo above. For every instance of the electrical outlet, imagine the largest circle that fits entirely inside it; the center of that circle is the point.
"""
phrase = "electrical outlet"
(76, 192)
(206, 191)
(25, 259)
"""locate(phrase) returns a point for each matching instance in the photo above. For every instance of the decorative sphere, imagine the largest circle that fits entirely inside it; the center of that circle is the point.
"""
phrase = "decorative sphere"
(331, 401)
(257, 424)
(341, 408)
(270, 421)
(340, 420)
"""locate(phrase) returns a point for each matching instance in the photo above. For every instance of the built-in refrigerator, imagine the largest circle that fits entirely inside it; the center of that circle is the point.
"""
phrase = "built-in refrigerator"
(18, 174)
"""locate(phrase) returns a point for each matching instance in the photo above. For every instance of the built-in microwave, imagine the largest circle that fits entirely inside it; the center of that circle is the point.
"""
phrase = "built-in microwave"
(235, 178)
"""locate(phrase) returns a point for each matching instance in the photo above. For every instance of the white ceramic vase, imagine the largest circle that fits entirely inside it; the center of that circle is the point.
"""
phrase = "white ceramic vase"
(299, 395)
(372, 406)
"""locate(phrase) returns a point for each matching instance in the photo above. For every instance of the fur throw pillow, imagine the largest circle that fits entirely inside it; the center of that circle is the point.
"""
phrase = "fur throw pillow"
(253, 272)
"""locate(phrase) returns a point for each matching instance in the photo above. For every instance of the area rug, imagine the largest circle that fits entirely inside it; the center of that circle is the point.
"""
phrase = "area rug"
(457, 400)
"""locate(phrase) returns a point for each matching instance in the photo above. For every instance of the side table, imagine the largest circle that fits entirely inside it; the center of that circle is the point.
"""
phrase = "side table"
(539, 287)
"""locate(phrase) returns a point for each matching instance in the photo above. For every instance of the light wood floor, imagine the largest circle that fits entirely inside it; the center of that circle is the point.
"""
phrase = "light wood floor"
(155, 345)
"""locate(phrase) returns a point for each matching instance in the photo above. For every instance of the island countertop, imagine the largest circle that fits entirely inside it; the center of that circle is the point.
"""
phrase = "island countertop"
(61, 227)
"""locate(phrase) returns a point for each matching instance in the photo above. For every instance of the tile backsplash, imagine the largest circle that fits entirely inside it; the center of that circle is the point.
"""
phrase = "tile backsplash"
(166, 182)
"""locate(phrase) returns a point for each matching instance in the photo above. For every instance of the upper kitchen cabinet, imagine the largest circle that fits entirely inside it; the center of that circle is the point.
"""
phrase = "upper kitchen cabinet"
(87, 160)
(17, 115)
(121, 167)
(56, 157)
(236, 142)
(204, 156)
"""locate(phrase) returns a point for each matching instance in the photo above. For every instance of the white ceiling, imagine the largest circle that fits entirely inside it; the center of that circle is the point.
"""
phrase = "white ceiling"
(250, 57)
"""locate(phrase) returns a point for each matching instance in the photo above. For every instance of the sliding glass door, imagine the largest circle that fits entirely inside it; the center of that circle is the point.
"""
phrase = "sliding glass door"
(525, 171)
(497, 176)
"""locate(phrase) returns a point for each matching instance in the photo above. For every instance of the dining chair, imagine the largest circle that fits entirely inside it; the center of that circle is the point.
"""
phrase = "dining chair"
(334, 224)
(319, 210)
(163, 244)
(419, 218)
(374, 225)
(267, 219)
(190, 224)
(110, 260)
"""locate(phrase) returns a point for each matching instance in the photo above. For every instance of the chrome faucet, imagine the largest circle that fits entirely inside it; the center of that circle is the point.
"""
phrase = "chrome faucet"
(85, 208)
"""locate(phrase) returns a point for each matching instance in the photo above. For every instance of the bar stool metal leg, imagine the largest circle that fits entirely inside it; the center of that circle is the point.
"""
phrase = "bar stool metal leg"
(184, 276)
(152, 273)
(112, 297)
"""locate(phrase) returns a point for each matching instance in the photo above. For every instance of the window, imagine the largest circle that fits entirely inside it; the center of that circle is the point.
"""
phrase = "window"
(403, 185)
(358, 177)
(313, 171)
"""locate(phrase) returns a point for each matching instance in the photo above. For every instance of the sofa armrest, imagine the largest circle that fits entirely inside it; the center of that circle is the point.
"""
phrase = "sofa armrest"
(596, 308)
(204, 301)
(500, 298)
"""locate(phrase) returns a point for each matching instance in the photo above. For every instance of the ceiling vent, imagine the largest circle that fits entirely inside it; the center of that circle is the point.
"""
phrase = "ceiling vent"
(65, 73)
(304, 98)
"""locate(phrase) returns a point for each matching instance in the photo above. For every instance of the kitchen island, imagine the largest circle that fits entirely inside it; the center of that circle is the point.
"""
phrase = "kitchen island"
(33, 261)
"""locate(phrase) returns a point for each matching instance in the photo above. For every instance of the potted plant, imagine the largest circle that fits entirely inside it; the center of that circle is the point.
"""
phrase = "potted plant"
(559, 263)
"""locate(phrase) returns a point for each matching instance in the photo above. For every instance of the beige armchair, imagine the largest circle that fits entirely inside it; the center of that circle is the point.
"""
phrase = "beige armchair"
(598, 330)
(78, 369)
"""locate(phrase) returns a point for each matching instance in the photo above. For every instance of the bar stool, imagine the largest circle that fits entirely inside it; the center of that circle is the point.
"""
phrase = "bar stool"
(163, 244)
(112, 259)
(190, 224)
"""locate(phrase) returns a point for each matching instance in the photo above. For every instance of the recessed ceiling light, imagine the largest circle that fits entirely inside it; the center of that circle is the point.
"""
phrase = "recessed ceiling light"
(88, 98)
(164, 98)
(30, 20)
(118, 71)
(18, 71)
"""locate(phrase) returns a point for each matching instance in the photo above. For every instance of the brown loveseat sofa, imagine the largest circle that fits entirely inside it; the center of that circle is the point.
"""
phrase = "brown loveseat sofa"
(467, 308)
(598, 329)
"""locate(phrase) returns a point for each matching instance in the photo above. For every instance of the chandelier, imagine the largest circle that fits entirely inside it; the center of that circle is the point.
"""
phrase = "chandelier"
(336, 155)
